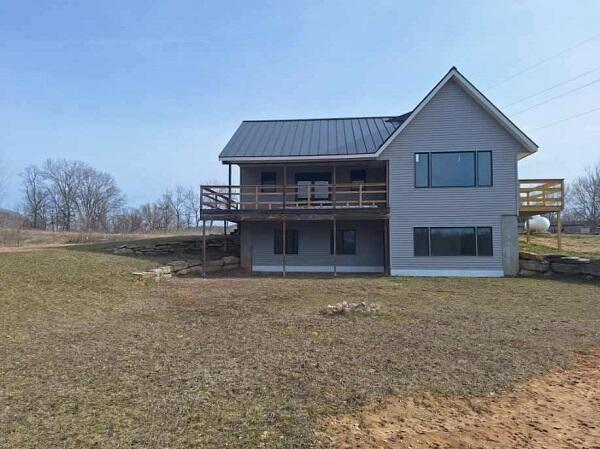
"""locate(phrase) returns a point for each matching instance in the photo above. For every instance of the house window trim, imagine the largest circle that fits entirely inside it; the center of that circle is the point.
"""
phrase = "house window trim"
(475, 228)
(338, 253)
(475, 168)
(287, 240)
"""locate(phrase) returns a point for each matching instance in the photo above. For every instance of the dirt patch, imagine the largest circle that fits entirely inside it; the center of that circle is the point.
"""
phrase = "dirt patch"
(558, 410)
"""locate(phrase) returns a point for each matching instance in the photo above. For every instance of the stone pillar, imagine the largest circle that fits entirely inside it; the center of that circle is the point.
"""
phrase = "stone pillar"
(510, 245)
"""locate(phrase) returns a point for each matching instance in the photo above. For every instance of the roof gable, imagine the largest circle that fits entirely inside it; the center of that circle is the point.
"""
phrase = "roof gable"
(481, 99)
(345, 138)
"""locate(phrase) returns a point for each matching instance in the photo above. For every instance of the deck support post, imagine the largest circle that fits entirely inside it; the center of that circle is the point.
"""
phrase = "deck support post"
(284, 249)
(228, 207)
(528, 230)
(203, 247)
(334, 185)
(284, 185)
(558, 231)
(334, 246)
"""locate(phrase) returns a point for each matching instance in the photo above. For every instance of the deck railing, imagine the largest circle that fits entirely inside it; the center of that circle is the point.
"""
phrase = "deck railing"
(298, 196)
(541, 195)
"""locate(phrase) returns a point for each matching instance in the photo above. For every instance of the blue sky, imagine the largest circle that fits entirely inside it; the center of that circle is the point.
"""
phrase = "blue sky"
(152, 91)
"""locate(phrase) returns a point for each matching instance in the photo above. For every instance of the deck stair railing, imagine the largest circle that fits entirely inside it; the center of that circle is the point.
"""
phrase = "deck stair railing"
(296, 196)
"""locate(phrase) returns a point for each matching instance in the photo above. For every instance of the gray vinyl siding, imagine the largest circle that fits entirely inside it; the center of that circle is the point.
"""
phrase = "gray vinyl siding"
(451, 121)
(314, 244)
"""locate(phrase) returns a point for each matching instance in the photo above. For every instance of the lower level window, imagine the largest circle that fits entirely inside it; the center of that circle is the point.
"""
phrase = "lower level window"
(453, 241)
(345, 242)
(291, 241)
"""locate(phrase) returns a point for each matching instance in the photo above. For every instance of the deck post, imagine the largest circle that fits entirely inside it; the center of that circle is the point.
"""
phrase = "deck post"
(203, 247)
(334, 185)
(528, 230)
(229, 189)
(334, 246)
(284, 185)
(558, 231)
(225, 236)
(284, 246)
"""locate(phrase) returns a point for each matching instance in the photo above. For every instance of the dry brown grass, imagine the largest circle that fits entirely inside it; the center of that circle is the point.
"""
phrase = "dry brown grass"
(11, 238)
(572, 245)
(91, 358)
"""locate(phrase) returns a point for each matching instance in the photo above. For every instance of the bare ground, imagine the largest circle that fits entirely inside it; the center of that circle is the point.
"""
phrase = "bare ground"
(560, 409)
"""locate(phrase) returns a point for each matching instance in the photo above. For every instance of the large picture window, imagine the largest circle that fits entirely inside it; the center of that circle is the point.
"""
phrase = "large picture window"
(291, 241)
(346, 242)
(453, 241)
(453, 169)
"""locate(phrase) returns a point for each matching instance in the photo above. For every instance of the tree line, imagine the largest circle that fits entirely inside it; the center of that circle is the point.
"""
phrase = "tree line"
(70, 195)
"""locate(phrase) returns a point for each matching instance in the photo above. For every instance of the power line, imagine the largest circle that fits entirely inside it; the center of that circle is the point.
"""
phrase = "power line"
(552, 87)
(557, 96)
(566, 119)
(543, 61)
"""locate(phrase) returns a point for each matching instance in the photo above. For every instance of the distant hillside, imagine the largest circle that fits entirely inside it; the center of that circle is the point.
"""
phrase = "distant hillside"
(10, 218)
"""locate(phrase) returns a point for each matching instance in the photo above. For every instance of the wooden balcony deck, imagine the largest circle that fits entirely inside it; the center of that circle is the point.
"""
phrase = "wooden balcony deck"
(541, 196)
(316, 201)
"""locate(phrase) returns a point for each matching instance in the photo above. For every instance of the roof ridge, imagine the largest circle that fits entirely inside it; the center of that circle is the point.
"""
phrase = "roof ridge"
(327, 118)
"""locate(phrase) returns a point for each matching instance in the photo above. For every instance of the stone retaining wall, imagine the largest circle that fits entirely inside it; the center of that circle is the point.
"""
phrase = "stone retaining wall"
(182, 268)
(535, 264)
(187, 246)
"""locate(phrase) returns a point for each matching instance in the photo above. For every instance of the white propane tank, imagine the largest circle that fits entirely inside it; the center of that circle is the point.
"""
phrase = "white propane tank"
(538, 224)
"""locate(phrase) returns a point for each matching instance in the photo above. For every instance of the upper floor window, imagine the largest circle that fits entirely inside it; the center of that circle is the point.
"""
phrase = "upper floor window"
(422, 170)
(453, 169)
(312, 185)
(357, 177)
(267, 180)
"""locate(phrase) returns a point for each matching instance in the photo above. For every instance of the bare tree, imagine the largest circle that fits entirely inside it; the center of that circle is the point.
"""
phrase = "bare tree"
(64, 180)
(35, 191)
(584, 196)
(98, 197)
(177, 205)
(192, 208)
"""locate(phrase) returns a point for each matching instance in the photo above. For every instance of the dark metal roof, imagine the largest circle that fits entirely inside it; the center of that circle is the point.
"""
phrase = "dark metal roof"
(311, 137)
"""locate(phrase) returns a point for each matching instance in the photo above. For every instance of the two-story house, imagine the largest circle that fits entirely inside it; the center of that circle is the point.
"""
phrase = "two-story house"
(432, 192)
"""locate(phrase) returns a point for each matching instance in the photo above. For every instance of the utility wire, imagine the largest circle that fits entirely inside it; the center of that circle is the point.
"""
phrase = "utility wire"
(552, 87)
(556, 97)
(566, 119)
(543, 61)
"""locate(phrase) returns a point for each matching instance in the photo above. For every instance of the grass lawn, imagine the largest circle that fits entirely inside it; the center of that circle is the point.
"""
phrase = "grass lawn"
(572, 244)
(91, 358)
